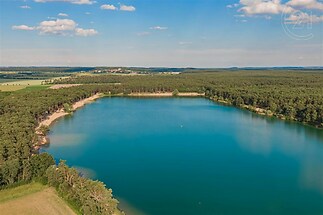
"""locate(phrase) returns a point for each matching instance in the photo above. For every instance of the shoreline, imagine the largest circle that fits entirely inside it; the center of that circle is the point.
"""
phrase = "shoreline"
(263, 112)
(42, 138)
(169, 94)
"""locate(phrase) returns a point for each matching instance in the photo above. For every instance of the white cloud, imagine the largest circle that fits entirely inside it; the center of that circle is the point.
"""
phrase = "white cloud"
(292, 8)
(23, 28)
(63, 14)
(127, 8)
(302, 18)
(58, 26)
(82, 1)
(62, 27)
(69, 1)
(232, 5)
(25, 7)
(308, 4)
(260, 7)
(108, 7)
(85, 32)
(159, 28)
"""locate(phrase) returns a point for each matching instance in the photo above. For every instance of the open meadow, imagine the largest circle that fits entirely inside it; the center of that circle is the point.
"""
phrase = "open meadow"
(19, 85)
(33, 199)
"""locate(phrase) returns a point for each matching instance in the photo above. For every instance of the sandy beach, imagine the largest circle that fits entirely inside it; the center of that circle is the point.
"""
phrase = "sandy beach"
(83, 102)
(190, 94)
(42, 139)
(60, 86)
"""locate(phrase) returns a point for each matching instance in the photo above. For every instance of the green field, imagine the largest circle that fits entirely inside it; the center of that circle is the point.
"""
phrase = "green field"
(33, 199)
(18, 85)
(25, 82)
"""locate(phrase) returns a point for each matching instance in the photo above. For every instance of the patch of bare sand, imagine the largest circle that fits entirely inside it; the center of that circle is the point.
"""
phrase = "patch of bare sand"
(60, 86)
(83, 102)
(168, 94)
(42, 139)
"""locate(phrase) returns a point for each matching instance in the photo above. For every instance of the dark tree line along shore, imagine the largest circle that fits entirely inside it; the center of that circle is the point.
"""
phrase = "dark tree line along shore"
(20, 113)
(292, 95)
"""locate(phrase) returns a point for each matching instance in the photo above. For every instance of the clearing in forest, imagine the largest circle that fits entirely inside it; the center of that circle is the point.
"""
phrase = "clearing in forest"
(33, 199)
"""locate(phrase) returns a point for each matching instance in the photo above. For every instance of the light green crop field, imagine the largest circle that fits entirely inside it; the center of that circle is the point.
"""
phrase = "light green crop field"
(33, 199)
(18, 85)
(24, 82)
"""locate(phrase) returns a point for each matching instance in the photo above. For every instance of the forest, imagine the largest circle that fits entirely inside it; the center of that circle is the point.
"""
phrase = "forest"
(290, 95)
(20, 162)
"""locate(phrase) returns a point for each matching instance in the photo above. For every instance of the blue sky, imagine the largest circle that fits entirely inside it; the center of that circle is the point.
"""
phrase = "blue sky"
(168, 33)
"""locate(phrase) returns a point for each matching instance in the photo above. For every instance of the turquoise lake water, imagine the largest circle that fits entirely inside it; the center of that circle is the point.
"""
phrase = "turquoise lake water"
(191, 156)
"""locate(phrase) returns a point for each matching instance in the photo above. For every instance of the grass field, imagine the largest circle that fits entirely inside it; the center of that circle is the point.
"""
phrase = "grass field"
(11, 88)
(18, 85)
(34, 88)
(24, 82)
(7, 85)
(33, 199)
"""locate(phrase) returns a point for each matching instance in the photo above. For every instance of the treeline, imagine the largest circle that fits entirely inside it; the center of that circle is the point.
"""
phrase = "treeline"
(30, 76)
(45, 69)
(292, 95)
(91, 197)
(33, 168)
(20, 113)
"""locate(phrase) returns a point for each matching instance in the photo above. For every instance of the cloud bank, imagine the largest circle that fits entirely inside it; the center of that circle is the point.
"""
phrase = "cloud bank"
(89, 2)
(64, 27)
(293, 8)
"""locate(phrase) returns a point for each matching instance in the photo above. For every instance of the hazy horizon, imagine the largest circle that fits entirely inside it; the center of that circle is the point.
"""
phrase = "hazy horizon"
(162, 33)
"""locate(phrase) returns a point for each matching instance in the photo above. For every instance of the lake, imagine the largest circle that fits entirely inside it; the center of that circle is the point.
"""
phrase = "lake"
(191, 156)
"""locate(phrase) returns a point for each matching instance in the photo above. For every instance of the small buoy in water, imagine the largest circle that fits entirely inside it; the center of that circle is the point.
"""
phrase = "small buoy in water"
(182, 126)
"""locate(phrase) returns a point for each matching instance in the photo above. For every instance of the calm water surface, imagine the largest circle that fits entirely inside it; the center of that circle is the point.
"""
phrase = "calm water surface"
(193, 157)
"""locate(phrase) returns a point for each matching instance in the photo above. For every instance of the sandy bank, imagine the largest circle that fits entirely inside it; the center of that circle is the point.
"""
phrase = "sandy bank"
(190, 94)
(60, 86)
(83, 102)
(51, 118)
(42, 139)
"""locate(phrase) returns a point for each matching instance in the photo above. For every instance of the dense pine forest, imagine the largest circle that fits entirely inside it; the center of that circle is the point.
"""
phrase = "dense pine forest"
(20, 113)
(291, 95)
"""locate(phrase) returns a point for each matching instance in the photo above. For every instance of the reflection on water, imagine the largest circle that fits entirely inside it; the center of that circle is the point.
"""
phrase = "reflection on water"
(128, 208)
(85, 172)
(263, 138)
(311, 174)
(192, 156)
(69, 140)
